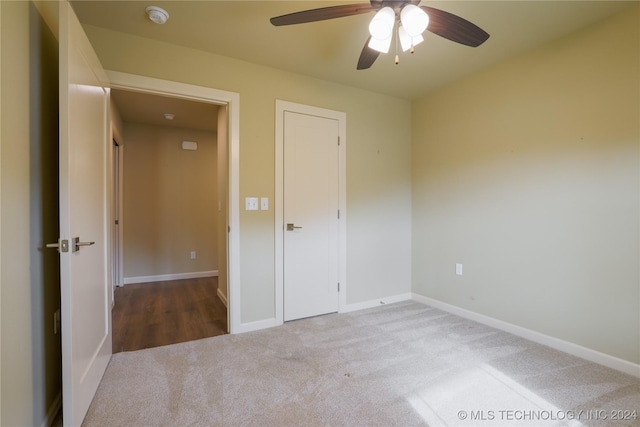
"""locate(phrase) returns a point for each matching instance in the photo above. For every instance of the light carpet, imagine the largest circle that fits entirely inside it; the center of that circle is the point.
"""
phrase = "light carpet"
(404, 364)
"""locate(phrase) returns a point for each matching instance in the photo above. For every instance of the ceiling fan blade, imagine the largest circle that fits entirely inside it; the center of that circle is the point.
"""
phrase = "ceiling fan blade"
(321, 14)
(454, 28)
(367, 57)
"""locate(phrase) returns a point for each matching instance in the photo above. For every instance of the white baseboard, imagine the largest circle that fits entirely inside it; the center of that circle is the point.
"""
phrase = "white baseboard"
(256, 326)
(270, 323)
(222, 298)
(375, 303)
(556, 343)
(53, 411)
(165, 277)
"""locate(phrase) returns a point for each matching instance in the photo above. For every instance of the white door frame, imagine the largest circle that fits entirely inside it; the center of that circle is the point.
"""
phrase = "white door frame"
(117, 234)
(341, 118)
(154, 86)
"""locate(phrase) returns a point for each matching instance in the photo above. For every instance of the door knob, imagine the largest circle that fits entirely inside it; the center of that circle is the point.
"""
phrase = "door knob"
(77, 243)
(61, 246)
(291, 227)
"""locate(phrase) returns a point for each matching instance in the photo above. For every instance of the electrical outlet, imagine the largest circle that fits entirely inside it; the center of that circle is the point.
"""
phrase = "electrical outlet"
(193, 254)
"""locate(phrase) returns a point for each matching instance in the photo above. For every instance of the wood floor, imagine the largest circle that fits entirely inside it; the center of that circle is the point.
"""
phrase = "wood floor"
(149, 315)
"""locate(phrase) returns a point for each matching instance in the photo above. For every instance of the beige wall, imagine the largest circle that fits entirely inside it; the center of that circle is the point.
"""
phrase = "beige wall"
(29, 286)
(527, 174)
(378, 162)
(170, 201)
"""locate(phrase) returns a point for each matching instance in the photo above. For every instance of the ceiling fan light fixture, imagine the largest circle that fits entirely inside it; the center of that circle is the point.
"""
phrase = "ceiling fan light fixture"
(381, 45)
(387, 20)
(414, 20)
(406, 41)
(381, 26)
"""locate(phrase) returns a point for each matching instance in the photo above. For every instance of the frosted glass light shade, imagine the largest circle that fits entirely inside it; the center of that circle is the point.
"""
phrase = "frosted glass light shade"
(414, 20)
(381, 46)
(406, 41)
(381, 26)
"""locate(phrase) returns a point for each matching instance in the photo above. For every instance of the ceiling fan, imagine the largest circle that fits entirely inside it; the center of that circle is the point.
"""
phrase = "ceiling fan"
(402, 18)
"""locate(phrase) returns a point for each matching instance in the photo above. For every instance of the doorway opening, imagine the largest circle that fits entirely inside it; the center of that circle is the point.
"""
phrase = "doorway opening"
(169, 222)
(201, 127)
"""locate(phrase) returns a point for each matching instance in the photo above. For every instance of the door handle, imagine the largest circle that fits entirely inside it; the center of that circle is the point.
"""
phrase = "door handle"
(61, 246)
(77, 243)
(291, 227)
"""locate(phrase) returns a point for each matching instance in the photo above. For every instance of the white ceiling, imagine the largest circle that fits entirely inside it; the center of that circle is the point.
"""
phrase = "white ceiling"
(329, 50)
(149, 109)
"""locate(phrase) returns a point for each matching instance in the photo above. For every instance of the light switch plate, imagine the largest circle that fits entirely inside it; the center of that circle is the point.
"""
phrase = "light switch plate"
(459, 269)
(251, 203)
(264, 203)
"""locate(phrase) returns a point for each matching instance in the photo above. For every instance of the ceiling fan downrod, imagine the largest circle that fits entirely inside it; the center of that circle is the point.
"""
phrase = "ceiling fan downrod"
(397, 38)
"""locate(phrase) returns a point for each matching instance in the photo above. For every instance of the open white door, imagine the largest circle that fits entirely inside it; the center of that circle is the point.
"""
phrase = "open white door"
(84, 276)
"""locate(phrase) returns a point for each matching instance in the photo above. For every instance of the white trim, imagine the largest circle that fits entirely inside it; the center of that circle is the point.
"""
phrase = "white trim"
(555, 343)
(222, 297)
(117, 253)
(232, 100)
(53, 411)
(165, 277)
(376, 302)
(258, 325)
(120, 279)
(341, 118)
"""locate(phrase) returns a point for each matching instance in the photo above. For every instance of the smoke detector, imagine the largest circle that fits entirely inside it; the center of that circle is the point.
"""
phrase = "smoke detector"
(157, 14)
